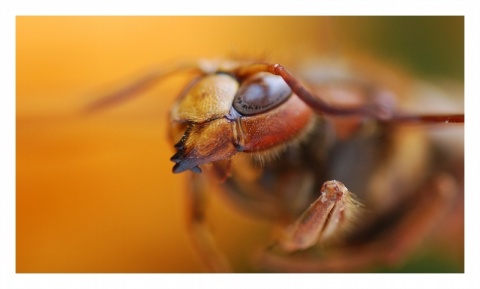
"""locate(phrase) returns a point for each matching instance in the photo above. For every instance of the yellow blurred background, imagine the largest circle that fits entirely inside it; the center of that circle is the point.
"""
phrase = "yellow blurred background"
(96, 193)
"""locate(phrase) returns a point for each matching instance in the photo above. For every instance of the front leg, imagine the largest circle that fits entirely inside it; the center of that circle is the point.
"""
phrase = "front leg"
(331, 214)
(212, 257)
(425, 212)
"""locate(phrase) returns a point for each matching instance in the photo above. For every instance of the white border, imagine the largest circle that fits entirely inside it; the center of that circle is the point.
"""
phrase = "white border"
(9, 9)
(238, 7)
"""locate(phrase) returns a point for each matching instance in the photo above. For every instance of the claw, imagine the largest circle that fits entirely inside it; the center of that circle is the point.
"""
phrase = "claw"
(196, 170)
(177, 157)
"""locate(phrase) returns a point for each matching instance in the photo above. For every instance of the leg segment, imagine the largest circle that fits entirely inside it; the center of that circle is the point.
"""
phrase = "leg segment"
(329, 215)
(426, 211)
(212, 258)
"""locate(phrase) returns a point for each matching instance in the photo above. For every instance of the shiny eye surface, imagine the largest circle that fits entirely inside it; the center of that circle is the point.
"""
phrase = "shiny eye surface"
(260, 93)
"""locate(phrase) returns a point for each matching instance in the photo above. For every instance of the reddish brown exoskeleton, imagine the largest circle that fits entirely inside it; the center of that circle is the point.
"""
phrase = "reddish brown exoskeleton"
(287, 152)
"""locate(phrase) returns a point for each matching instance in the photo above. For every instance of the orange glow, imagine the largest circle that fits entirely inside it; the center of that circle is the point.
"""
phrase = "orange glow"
(96, 193)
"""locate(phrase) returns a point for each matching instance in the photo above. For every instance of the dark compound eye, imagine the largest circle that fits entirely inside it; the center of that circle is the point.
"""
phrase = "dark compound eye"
(261, 92)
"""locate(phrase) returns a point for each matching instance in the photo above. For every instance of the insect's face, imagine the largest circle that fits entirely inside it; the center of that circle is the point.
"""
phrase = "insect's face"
(220, 114)
(259, 109)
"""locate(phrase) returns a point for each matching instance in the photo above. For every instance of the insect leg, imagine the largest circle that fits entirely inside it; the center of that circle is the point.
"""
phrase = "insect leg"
(427, 208)
(434, 202)
(330, 214)
(212, 258)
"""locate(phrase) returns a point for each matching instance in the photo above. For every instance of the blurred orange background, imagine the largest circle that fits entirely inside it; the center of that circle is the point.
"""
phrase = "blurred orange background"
(96, 193)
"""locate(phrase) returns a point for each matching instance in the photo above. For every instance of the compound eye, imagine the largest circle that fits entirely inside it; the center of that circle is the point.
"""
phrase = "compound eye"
(261, 92)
